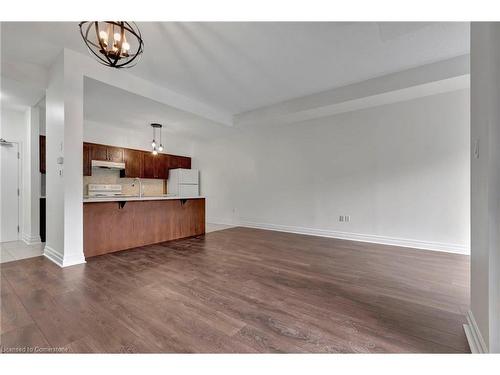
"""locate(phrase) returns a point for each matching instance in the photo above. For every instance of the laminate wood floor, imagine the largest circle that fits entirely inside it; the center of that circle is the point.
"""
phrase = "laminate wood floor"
(240, 290)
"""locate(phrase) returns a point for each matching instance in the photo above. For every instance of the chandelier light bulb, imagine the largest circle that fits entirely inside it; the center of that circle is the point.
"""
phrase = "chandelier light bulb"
(153, 144)
(103, 35)
(117, 37)
(155, 152)
(160, 148)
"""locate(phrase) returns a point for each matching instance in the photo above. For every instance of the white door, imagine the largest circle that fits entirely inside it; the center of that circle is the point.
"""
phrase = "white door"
(9, 193)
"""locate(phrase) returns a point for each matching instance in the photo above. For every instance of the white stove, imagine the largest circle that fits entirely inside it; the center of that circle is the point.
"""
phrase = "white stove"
(103, 190)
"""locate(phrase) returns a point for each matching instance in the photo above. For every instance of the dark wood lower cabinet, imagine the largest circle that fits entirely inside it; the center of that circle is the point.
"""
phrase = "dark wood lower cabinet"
(108, 227)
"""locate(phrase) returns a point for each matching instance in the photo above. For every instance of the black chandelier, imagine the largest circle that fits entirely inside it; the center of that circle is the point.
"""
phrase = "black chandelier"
(117, 44)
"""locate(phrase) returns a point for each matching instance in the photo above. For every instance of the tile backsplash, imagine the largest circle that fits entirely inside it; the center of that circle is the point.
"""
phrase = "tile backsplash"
(129, 186)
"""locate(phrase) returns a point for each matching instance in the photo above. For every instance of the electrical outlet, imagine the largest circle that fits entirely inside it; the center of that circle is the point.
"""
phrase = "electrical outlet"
(341, 218)
(347, 218)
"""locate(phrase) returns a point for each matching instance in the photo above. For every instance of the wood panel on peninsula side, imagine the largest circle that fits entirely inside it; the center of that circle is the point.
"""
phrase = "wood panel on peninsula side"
(114, 226)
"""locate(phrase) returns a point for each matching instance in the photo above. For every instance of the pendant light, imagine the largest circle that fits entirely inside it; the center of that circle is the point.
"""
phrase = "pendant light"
(153, 142)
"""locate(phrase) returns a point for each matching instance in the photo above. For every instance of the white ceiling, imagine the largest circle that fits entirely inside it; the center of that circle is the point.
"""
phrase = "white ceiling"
(238, 67)
(110, 105)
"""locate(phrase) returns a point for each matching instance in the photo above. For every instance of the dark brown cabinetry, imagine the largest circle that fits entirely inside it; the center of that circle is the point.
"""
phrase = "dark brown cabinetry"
(155, 166)
(115, 154)
(133, 163)
(138, 163)
(161, 166)
(87, 169)
(148, 165)
(106, 153)
(98, 152)
(42, 154)
(179, 162)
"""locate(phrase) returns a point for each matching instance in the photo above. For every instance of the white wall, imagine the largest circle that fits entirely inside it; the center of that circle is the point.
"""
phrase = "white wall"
(484, 317)
(54, 173)
(122, 136)
(401, 171)
(64, 190)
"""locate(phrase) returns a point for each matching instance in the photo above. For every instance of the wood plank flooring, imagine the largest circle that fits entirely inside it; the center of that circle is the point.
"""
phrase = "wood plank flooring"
(240, 290)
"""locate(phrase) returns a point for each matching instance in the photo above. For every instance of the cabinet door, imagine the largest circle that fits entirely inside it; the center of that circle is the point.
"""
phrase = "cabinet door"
(115, 154)
(161, 166)
(179, 162)
(87, 169)
(99, 152)
(133, 163)
(185, 162)
(148, 164)
(42, 154)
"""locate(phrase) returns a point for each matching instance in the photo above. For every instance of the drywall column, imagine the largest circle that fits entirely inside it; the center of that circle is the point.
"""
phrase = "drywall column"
(31, 179)
(64, 132)
(484, 316)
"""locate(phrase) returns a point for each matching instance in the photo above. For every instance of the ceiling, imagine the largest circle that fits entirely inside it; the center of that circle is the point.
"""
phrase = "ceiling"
(110, 105)
(238, 67)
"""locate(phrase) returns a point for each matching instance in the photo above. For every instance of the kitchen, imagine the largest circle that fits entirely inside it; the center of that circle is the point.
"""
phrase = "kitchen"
(135, 197)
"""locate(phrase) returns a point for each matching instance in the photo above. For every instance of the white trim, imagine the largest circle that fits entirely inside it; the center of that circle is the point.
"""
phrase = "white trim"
(473, 334)
(394, 241)
(56, 257)
(219, 221)
(53, 255)
(31, 240)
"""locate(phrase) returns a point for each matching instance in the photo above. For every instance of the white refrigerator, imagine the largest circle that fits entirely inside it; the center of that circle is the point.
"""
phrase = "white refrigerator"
(183, 182)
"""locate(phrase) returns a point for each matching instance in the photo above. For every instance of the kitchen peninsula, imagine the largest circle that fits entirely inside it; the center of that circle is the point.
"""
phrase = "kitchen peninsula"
(122, 221)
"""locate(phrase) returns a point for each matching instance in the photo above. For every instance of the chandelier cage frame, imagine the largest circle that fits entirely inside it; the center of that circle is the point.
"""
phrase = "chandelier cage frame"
(98, 49)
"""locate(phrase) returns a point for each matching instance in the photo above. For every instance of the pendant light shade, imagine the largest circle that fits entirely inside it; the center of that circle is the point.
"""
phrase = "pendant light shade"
(154, 144)
(117, 44)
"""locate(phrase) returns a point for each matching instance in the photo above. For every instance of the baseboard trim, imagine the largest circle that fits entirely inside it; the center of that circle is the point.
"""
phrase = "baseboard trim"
(402, 242)
(31, 240)
(56, 257)
(53, 255)
(473, 334)
(218, 221)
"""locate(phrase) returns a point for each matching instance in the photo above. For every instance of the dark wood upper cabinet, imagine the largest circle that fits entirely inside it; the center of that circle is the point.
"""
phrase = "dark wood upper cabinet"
(99, 152)
(138, 163)
(184, 162)
(161, 166)
(87, 169)
(179, 162)
(115, 154)
(148, 165)
(133, 163)
(42, 153)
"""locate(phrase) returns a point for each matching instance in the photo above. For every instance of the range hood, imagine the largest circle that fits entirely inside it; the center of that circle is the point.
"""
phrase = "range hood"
(107, 164)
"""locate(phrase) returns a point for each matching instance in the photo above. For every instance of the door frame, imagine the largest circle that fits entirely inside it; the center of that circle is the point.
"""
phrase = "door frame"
(19, 187)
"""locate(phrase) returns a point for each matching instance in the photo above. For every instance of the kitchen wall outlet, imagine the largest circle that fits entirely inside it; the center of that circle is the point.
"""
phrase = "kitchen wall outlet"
(347, 218)
(341, 218)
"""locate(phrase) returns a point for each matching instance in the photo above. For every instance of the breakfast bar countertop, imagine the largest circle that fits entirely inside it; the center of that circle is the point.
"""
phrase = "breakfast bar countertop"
(87, 199)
